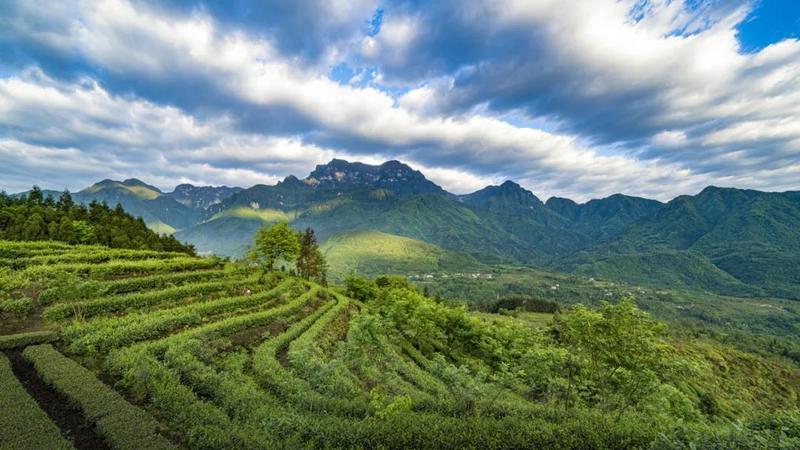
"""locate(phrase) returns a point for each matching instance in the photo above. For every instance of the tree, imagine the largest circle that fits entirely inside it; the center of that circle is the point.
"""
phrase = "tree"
(360, 288)
(310, 262)
(622, 352)
(34, 228)
(275, 242)
(65, 202)
(65, 232)
(35, 196)
(84, 232)
(34, 218)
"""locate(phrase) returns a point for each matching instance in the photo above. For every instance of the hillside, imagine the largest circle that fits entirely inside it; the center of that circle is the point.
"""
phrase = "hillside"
(606, 217)
(371, 253)
(160, 350)
(753, 237)
(36, 217)
(165, 212)
(722, 240)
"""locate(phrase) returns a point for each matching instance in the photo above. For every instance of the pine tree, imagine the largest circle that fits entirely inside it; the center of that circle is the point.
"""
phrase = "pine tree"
(310, 262)
(35, 196)
(65, 202)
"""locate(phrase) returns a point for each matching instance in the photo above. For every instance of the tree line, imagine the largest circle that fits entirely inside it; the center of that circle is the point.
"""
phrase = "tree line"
(39, 217)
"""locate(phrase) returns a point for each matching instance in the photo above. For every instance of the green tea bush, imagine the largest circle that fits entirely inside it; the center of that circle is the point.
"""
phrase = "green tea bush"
(123, 425)
(22, 423)
(24, 339)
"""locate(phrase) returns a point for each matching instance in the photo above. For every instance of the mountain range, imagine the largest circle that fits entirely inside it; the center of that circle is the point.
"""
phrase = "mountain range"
(724, 240)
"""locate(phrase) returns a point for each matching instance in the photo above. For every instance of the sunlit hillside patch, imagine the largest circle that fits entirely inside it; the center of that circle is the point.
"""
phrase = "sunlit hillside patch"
(265, 215)
(142, 192)
(160, 227)
(373, 252)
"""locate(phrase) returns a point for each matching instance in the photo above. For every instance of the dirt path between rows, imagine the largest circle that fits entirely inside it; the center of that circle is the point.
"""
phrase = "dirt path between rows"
(70, 420)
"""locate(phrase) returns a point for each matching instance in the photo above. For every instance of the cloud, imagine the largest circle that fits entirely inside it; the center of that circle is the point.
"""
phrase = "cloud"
(612, 72)
(60, 134)
(649, 98)
(314, 30)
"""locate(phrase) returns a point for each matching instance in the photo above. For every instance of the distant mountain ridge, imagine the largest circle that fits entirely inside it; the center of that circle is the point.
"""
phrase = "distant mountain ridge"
(202, 197)
(722, 239)
(394, 176)
(162, 211)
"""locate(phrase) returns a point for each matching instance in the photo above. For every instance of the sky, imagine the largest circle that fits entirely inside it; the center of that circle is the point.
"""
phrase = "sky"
(578, 99)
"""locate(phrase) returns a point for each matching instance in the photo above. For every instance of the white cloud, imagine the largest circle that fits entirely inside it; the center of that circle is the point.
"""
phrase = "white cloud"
(456, 181)
(665, 79)
(692, 99)
(73, 134)
(41, 109)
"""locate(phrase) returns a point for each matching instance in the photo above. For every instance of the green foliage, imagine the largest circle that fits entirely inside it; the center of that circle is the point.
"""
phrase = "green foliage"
(360, 288)
(69, 287)
(22, 423)
(20, 340)
(119, 268)
(393, 281)
(773, 431)
(311, 264)
(17, 306)
(307, 358)
(226, 361)
(273, 243)
(123, 425)
(116, 303)
(620, 350)
(89, 255)
(33, 218)
(111, 332)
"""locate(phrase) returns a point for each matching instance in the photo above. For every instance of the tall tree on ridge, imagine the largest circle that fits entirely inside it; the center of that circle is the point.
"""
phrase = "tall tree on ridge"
(310, 262)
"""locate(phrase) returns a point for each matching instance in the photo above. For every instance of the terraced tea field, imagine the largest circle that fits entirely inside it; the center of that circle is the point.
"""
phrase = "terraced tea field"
(140, 349)
(123, 349)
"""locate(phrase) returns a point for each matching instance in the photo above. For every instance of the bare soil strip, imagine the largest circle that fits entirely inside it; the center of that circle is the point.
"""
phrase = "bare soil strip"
(70, 420)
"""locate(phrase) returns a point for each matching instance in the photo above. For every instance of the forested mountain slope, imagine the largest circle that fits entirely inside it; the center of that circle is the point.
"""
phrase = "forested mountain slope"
(751, 236)
(36, 217)
(724, 240)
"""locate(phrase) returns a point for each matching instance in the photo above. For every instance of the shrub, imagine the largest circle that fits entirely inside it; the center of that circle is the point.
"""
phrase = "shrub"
(25, 339)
